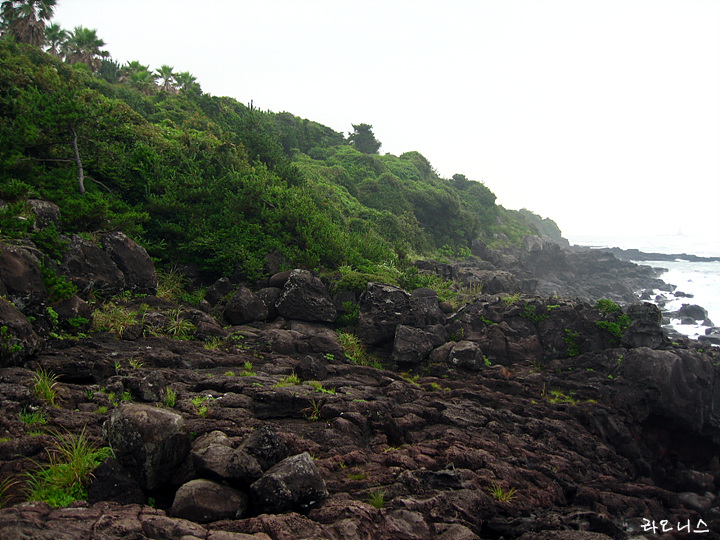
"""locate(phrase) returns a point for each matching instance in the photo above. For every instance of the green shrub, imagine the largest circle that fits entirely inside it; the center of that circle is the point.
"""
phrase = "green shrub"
(57, 286)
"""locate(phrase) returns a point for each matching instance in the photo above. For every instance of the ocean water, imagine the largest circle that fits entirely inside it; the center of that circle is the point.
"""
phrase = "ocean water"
(700, 279)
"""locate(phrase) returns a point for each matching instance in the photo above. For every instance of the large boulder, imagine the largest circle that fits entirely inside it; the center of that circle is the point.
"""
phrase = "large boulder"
(425, 307)
(148, 441)
(244, 307)
(133, 261)
(47, 214)
(91, 268)
(382, 308)
(265, 446)
(413, 345)
(681, 387)
(305, 298)
(645, 329)
(292, 484)
(222, 462)
(17, 338)
(20, 277)
(204, 501)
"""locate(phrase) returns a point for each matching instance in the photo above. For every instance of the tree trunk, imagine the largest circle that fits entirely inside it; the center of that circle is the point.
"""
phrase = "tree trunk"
(78, 162)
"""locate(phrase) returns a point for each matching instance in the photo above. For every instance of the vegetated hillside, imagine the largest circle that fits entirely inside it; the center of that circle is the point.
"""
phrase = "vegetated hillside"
(207, 180)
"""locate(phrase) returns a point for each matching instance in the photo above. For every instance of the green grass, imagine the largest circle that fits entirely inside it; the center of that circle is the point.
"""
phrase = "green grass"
(66, 477)
(179, 327)
(289, 380)
(499, 494)
(5, 486)
(355, 351)
(318, 386)
(113, 318)
(45, 386)
(33, 418)
(377, 498)
(170, 397)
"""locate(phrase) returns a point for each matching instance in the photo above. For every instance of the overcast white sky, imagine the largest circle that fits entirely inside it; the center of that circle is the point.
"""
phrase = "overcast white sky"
(602, 115)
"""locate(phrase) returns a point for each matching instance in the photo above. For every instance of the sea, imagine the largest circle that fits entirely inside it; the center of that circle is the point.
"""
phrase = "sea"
(699, 279)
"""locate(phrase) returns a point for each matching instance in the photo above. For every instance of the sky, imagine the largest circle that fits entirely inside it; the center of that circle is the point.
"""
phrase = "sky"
(603, 115)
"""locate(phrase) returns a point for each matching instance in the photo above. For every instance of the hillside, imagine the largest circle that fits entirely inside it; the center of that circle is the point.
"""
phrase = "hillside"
(206, 180)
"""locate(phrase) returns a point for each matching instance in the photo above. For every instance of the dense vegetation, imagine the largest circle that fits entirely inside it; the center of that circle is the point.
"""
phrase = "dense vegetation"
(207, 180)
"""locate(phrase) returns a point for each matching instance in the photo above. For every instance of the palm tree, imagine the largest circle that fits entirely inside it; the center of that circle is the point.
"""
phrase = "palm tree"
(25, 19)
(139, 76)
(168, 78)
(55, 38)
(186, 81)
(83, 46)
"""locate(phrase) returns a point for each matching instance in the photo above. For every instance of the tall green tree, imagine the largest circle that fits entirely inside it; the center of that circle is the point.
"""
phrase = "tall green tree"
(25, 20)
(84, 46)
(363, 139)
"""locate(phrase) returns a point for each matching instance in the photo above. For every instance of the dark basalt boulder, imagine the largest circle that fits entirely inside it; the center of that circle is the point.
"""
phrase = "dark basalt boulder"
(293, 484)
(111, 482)
(133, 261)
(74, 315)
(693, 312)
(680, 386)
(47, 214)
(305, 298)
(18, 340)
(382, 308)
(20, 278)
(148, 441)
(204, 501)
(645, 329)
(413, 345)
(91, 268)
(265, 446)
(244, 307)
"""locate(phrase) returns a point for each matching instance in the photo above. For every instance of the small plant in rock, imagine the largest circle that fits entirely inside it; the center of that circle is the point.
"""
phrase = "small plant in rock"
(65, 479)
(201, 405)
(289, 380)
(179, 327)
(45, 386)
(169, 397)
(248, 370)
(33, 418)
(171, 284)
(376, 498)
(355, 351)
(350, 315)
(213, 344)
(571, 340)
(318, 386)
(607, 306)
(356, 476)
(531, 313)
(500, 494)
(113, 318)
(135, 363)
(312, 411)
(5, 486)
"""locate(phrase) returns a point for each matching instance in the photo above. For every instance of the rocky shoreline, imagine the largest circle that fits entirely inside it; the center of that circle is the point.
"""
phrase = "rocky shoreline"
(531, 411)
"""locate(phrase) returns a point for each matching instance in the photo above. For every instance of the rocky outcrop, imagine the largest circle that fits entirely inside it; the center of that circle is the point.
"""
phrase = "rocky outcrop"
(511, 416)
(91, 268)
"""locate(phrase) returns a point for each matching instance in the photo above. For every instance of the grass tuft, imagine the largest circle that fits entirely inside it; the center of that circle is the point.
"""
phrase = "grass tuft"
(45, 386)
(72, 461)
